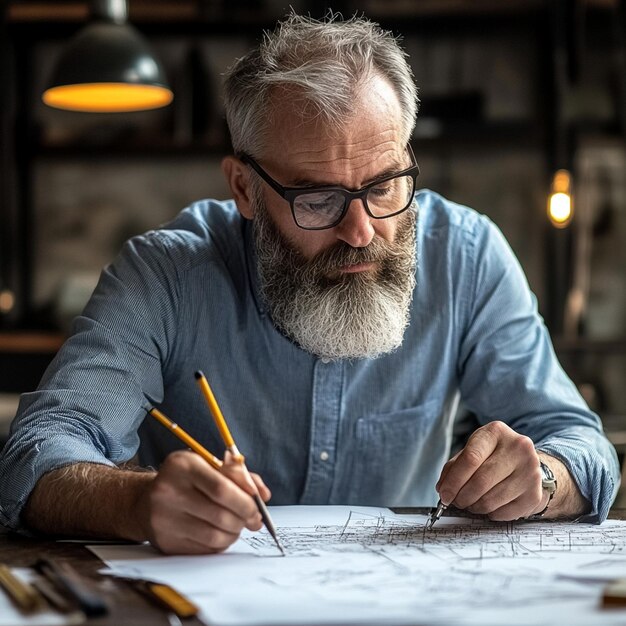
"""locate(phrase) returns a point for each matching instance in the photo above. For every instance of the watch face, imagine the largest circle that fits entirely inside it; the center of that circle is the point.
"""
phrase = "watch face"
(548, 481)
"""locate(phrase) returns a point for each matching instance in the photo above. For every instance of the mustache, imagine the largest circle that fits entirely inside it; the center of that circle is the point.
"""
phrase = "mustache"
(341, 254)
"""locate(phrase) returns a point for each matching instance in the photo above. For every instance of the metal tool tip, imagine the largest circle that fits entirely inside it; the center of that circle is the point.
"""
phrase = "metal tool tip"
(277, 542)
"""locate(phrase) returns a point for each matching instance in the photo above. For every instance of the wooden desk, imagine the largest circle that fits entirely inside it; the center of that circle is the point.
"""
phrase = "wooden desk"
(127, 607)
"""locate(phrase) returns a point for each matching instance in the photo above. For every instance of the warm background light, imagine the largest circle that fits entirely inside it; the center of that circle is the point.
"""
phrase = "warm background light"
(107, 67)
(7, 301)
(560, 208)
(107, 97)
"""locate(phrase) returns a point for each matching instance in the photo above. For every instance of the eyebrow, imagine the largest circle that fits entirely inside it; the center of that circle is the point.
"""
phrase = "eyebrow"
(305, 183)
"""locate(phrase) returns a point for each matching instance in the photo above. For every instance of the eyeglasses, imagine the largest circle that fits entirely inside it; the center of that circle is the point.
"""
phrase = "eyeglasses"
(317, 208)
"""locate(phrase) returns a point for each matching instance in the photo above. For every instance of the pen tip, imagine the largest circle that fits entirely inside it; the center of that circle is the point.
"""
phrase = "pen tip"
(198, 374)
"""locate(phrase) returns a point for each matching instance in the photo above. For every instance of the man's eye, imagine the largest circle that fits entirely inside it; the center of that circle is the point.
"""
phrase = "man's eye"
(319, 202)
(321, 207)
(381, 190)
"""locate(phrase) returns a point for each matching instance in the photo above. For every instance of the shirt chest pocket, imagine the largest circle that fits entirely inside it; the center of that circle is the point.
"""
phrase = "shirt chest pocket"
(391, 450)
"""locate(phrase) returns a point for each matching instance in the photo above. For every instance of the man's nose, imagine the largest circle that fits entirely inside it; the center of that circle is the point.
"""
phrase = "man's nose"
(356, 227)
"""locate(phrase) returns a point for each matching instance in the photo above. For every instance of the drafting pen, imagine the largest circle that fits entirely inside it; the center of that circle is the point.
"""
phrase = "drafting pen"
(229, 442)
(441, 507)
(23, 594)
(67, 580)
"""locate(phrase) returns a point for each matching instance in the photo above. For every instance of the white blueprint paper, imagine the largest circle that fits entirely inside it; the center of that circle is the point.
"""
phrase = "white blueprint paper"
(366, 565)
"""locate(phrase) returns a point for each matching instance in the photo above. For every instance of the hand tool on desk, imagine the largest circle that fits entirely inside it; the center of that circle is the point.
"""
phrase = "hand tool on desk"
(68, 581)
(165, 596)
(23, 594)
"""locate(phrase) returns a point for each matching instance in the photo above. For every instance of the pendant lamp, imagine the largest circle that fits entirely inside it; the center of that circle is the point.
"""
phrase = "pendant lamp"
(108, 67)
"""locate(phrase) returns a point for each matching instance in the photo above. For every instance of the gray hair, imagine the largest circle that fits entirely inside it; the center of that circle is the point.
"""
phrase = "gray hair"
(321, 65)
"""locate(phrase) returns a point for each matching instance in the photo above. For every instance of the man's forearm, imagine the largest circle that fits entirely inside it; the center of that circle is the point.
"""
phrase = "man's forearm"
(89, 500)
(568, 501)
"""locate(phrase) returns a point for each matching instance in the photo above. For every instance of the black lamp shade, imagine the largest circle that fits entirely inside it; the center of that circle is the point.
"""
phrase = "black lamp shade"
(108, 67)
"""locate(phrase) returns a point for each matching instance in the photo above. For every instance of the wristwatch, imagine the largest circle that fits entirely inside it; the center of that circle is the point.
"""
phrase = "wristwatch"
(548, 484)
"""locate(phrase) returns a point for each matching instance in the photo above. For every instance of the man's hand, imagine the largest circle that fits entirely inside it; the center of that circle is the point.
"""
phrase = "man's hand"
(498, 474)
(192, 508)
(187, 507)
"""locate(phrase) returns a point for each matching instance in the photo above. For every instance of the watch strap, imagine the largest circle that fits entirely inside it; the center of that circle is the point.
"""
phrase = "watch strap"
(549, 484)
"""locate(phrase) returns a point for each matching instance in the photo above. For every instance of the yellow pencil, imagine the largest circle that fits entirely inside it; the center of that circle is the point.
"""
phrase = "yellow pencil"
(229, 442)
(220, 422)
(22, 593)
(187, 439)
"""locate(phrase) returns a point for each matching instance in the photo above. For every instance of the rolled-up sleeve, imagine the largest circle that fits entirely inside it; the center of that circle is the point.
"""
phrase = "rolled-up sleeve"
(92, 397)
(509, 372)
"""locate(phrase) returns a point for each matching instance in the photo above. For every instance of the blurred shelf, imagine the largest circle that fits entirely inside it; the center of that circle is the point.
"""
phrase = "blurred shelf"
(32, 11)
(30, 342)
(465, 8)
(188, 17)
(194, 10)
(173, 18)
(590, 138)
(148, 149)
(432, 134)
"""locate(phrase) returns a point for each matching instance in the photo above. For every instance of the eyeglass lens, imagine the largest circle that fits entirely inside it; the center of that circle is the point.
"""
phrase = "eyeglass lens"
(322, 208)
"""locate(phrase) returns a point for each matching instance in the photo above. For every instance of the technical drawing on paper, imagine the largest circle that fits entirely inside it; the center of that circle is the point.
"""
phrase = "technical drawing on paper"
(389, 560)
(393, 534)
(367, 565)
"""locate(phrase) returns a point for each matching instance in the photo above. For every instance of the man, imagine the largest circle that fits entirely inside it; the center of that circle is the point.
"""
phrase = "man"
(338, 316)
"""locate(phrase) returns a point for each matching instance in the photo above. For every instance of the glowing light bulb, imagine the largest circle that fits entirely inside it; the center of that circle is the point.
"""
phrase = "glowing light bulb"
(7, 301)
(107, 97)
(560, 206)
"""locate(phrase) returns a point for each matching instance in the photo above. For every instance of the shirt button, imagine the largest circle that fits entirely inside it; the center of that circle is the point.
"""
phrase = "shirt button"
(324, 455)
(325, 359)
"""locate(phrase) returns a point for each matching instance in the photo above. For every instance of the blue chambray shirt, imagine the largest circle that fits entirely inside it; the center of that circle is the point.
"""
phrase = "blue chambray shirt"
(369, 431)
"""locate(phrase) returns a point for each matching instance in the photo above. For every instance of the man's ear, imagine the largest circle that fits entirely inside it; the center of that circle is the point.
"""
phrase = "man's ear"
(236, 174)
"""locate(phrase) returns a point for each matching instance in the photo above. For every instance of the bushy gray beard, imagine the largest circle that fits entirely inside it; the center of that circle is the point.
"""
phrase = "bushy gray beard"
(338, 315)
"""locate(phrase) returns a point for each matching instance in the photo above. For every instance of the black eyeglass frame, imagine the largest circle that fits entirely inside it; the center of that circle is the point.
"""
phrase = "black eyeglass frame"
(291, 193)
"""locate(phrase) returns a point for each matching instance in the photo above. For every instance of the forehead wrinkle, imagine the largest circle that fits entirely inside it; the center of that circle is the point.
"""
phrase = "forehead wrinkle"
(347, 157)
(326, 171)
(368, 130)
